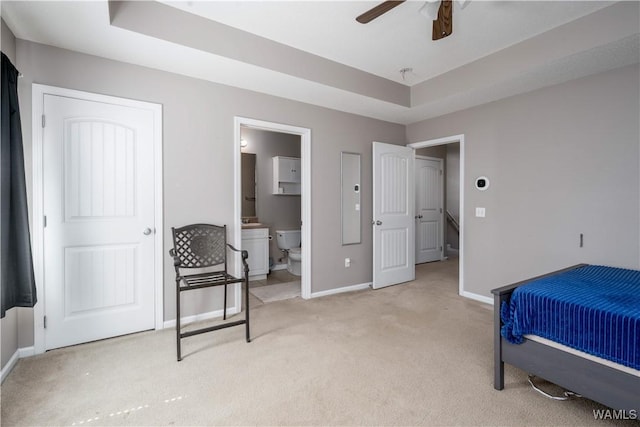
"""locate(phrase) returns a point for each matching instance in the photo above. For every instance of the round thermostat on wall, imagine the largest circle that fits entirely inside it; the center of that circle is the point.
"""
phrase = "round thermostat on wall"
(482, 183)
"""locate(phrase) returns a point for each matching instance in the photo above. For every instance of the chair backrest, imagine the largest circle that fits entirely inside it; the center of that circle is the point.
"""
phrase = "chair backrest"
(200, 245)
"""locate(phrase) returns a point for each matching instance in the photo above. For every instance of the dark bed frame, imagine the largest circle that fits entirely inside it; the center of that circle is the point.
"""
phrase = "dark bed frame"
(608, 386)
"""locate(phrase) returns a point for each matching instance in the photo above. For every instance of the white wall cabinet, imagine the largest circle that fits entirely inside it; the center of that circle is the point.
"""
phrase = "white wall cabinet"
(256, 242)
(286, 175)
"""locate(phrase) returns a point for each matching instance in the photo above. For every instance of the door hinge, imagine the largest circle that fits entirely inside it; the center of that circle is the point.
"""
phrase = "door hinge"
(440, 210)
(440, 248)
(44, 222)
(43, 121)
(45, 322)
(440, 171)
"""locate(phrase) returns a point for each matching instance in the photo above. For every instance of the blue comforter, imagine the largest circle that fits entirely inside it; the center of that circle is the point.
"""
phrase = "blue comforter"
(594, 309)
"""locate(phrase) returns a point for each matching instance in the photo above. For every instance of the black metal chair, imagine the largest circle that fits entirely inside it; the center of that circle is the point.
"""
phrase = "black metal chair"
(204, 246)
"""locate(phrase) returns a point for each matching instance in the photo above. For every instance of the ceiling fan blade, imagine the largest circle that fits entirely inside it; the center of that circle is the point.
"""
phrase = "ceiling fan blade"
(443, 26)
(380, 9)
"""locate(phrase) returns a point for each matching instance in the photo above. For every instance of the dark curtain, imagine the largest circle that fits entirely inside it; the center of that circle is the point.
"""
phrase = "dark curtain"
(17, 278)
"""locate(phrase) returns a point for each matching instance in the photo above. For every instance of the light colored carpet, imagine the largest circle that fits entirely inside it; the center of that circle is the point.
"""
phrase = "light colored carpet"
(278, 292)
(413, 354)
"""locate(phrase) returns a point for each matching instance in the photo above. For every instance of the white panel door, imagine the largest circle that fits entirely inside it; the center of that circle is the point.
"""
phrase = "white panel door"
(429, 194)
(393, 215)
(98, 166)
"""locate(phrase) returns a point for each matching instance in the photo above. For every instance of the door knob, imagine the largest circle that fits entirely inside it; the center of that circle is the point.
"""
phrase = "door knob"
(420, 216)
(146, 231)
(378, 222)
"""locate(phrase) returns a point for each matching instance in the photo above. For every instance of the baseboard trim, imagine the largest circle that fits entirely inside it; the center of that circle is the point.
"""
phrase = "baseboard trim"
(279, 267)
(26, 352)
(199, 317)
(6, 370)
(476, 297)
(19, 354)
(343, 289)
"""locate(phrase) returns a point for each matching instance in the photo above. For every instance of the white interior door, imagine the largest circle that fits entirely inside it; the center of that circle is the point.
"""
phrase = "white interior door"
(429, 214)
(98, 169)
(393, 215)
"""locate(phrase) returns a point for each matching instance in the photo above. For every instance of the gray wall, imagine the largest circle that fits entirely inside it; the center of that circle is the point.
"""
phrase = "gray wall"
(278, 212)
(452, 196)
(8, 41)
(453, 178)
(198, 155)
(9, 324)
(562, 160)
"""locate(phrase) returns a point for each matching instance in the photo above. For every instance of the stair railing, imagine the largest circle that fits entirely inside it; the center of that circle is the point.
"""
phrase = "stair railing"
(454, 223)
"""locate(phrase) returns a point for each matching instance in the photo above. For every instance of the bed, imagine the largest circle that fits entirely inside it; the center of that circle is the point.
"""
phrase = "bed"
(536, 329)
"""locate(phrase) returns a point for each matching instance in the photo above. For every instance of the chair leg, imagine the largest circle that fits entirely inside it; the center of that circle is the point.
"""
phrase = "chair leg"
(224, 309)
(246, 305)
(178, 320)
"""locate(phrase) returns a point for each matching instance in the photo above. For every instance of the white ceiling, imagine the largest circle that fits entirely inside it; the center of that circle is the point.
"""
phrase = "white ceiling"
(498, 49)
(398, 39)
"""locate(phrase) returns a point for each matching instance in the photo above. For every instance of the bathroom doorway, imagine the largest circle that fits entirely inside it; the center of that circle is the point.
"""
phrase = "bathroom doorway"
(272, 190)
(271, 212)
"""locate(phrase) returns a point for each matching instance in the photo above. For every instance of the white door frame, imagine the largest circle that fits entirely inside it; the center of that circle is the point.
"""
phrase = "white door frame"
(442, 196)
(37, 235)
(450, 140)
(305, 154)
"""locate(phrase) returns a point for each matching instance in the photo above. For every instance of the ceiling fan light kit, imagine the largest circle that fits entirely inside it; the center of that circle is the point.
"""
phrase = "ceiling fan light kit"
(439, 11)
(430, 9)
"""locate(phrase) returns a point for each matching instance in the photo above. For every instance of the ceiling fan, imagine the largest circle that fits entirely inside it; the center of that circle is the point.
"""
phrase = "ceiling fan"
(440, 12)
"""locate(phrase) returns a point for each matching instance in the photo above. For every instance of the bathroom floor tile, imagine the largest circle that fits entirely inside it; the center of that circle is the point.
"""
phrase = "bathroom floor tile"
(281, 276)
(274, 278)
(257, 283)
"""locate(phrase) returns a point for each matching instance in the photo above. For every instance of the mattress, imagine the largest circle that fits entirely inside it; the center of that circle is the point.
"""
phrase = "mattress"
(593, 309)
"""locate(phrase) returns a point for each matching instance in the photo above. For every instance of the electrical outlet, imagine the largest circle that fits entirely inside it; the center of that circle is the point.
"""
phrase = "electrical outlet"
(347, 262)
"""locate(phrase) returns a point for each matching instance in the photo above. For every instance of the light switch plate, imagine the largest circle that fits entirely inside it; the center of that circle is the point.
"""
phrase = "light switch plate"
(480, 212)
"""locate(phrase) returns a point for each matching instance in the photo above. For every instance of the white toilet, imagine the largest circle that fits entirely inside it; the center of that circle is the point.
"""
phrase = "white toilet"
(289, 241)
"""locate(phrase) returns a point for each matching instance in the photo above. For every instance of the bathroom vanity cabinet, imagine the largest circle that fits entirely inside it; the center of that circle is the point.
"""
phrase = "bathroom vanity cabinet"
(286, 175)
(256, 242)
